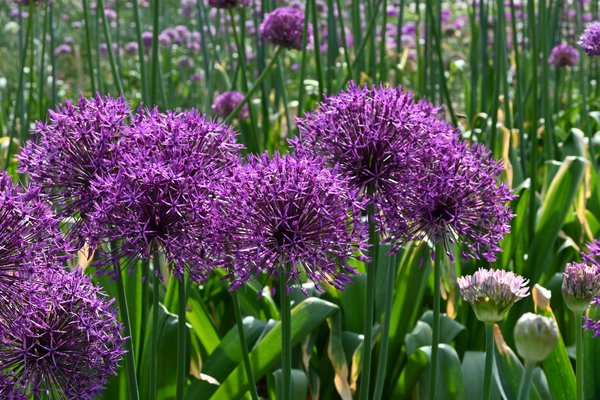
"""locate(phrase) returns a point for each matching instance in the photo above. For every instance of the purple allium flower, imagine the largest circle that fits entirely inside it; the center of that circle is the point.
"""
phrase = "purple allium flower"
(377, 137)
(592, 256)
(590, 39)
(491, 292)
(563, 55)
(228, 3)
(226, 102)
(167, 191)
(147, 39)
(30, 237)
(581, 282)
(72, 148)
(295, 218)
(131, 47)
(62, 49)
(185, 62)
(284, 26)
(65, 344)
(458, 198)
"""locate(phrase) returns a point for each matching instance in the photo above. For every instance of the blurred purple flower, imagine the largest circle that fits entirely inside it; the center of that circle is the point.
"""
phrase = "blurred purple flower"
(284, 27)
(62, 49)
(147, 39)
(226, 102)
(295, 218)
(131, 47)
(563, 55)
(228, 3)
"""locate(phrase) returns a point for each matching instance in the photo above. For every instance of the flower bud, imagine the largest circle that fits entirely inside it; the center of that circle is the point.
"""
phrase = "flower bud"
(581, 282)
(535, 336)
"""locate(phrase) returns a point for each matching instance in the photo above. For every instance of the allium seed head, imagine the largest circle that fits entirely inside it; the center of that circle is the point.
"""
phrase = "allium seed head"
(491, 292)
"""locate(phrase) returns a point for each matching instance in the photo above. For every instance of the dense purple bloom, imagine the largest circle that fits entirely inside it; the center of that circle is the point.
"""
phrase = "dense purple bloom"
(459, 198)
(72, 148)
(492, 292)
(64, 344)
(284, 26)
(590, 39)
(167, 191)
(295, 218)
(28, 231)
(226, 102)
(377, 137)
(592, 256)
(228, 3)
(563, 55)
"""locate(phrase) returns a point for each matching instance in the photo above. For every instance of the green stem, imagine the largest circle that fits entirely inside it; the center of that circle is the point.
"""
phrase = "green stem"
(88, 42)
(385, 330)
(254, 86)
(52, 56)
(435, 340)
(124, 310)
(303, 60)
(181, 338)
(525, 384)
(141, 59)
(111, 54)
(42, 65)
(154, 347)
(369, 307)
(242, 334)
(154, 77)
(284, 94)
(489, 361)
(286, 338)
(317, 48)
(579, 348)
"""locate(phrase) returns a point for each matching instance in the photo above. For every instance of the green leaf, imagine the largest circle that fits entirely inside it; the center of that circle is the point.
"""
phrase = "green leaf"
(449, 328)
(450, 381)
(202, 324)
(299, 384)
(226, 357)
(420, 336)
(335, 351)
(416, 365)
(557, 203)
(473, 368)
(306, 317)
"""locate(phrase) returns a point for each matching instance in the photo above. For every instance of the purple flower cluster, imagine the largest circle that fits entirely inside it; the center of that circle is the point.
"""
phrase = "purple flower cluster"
(408, 162)
(70, 150)
(64, 343)
(58, 336)
(295, 218)
(226, 102)
(166, 191)
(563, 55)
(590, 39)
(284, 27)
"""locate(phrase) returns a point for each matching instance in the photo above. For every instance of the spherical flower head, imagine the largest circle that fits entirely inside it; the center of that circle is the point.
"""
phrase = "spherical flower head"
(563, 55)
(74, 146)
(377, 137)
(65, 344)
(581, 282)
(284, 27)
(535, 336)
(167, 191)
(28, 231)
(226, 102)
(460, 199)
(227, 4)
(590, 39)
(491, 292)
(295, 218)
